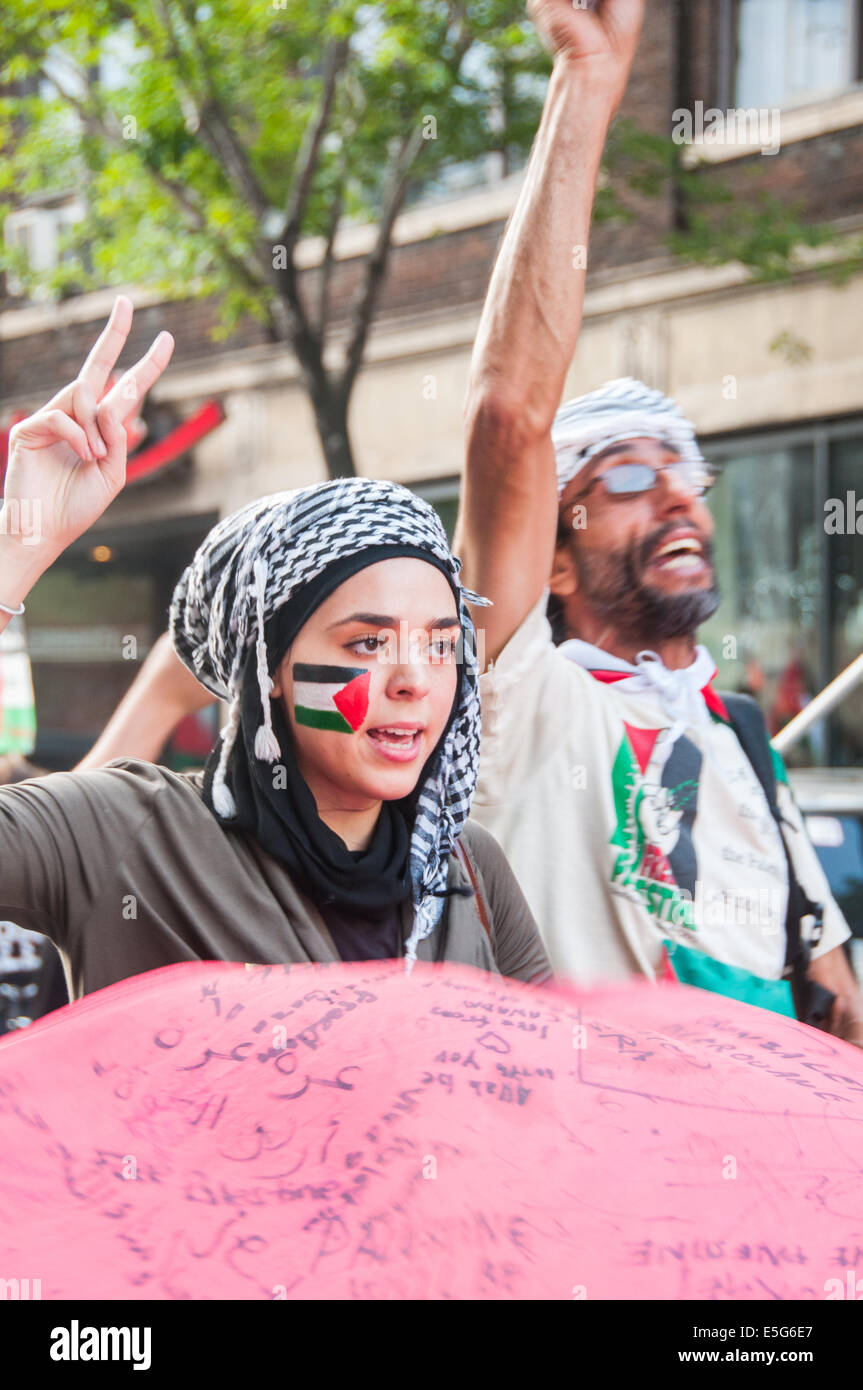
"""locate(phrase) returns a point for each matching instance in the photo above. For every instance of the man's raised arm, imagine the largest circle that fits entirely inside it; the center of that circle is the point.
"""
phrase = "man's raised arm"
(507, 521)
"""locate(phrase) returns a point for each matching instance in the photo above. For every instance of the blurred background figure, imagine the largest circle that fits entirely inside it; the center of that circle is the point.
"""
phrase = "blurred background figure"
(165, 711)
(164, 706)
(31, 978)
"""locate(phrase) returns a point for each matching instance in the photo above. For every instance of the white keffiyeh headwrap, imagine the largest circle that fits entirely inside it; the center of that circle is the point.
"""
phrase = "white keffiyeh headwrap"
(253, 562)
(622, 409)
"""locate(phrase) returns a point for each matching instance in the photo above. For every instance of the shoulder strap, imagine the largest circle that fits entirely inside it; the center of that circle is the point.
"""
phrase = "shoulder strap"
(464, 859)
(748, 723)
(751, 730)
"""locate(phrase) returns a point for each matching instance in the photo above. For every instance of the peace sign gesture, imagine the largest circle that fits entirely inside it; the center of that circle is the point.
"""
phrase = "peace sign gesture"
(68, 461)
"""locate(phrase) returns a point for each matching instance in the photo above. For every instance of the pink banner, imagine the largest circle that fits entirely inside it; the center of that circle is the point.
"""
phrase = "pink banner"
(219, 1131)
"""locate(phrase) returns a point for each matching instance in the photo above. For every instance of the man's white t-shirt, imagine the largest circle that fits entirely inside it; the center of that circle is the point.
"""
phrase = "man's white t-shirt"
(625, 827)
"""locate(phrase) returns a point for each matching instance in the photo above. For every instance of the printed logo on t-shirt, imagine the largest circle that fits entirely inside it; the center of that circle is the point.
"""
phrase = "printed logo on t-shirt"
(654, 818)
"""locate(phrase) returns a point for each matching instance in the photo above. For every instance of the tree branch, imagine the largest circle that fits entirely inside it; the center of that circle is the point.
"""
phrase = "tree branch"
(305, 341)
(216, 132)
(363, 311)
(95, 123)
(310, 148)
(328, 261)
(181, 62)
(396, 187)
(285, 313)
(213, 126)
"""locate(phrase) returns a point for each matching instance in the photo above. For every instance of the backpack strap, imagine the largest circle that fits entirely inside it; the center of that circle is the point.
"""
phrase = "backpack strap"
(811, 1001)
(464, 859)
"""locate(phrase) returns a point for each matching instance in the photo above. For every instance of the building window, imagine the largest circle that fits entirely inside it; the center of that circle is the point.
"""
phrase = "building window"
(39, 233)
(790, 52)
(791, 616)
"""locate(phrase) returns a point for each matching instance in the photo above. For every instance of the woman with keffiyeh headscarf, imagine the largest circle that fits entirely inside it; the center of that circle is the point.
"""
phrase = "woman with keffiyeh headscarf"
(330, 820)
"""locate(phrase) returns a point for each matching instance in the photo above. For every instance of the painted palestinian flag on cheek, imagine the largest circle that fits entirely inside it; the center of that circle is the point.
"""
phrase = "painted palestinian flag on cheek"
(331, 697)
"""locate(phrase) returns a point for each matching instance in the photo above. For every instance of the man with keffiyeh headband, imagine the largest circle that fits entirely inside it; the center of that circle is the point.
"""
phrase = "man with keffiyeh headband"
(651, 829)
(330, 820)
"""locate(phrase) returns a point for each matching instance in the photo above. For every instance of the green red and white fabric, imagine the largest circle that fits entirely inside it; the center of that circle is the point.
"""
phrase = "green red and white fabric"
(17, 705)
(631, 814)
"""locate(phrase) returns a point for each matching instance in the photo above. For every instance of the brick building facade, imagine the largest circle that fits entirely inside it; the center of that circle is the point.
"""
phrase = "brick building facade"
(771, 374)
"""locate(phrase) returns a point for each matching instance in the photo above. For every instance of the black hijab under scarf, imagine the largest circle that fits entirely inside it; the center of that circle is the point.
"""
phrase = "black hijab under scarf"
(275, 804)
(249, 568)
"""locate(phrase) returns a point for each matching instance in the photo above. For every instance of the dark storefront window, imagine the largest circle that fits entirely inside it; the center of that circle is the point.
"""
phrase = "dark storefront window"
(764, 637)
(792, 594)
(88, 630)
(91, 620)
(845, 550)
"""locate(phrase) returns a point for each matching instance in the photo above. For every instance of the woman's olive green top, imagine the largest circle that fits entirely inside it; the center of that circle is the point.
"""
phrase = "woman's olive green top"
(126, 870)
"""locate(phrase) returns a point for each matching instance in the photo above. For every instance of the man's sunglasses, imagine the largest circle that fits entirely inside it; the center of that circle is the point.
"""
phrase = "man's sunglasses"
(628, 479)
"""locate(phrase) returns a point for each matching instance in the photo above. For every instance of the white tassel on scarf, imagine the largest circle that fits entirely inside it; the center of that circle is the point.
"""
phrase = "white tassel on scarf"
(223, 802)
(266, 744)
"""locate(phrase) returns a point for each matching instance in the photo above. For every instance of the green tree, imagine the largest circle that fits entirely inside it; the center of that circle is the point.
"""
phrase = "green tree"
(236, 130)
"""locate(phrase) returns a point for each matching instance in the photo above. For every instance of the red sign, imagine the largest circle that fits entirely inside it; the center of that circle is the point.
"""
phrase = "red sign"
(144, 462)
(175, 444)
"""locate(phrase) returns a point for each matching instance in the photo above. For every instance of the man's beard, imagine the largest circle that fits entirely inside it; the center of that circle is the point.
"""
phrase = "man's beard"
(617, 592)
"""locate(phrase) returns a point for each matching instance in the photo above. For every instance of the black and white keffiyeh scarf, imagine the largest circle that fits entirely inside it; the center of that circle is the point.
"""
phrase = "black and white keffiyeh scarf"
(255, 562)
(619, 410)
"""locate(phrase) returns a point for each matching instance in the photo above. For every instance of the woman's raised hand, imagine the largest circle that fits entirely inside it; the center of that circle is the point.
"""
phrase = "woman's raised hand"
(68, 461)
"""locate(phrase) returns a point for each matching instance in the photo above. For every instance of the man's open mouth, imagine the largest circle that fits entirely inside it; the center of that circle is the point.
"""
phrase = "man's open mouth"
(681, 553)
